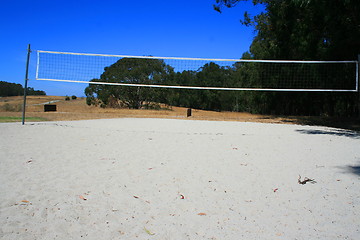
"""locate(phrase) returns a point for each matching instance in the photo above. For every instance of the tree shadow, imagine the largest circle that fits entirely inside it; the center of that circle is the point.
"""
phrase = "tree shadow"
(334, 132)
(354, 169)
(343, 123)
(334, 122)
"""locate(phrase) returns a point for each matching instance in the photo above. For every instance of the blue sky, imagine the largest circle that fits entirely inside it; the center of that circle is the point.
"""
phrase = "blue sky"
(187, 28)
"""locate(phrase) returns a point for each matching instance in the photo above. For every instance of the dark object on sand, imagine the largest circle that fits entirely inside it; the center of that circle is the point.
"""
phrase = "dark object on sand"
(306, 180)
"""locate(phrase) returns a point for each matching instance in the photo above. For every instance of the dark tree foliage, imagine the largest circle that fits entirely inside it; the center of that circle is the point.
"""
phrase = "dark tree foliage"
(304, 30)
(13, 89)
(129, 71)
(211, 75)
(243, 75)
(32, 91)
(10, 89)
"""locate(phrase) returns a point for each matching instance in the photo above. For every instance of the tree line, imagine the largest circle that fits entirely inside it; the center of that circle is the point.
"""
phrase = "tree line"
(238, 75)
(305, 30)
(289, 29)
(8, 89)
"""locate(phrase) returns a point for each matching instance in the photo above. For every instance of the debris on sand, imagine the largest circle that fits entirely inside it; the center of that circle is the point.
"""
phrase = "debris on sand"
(306, 179)
(148, 232)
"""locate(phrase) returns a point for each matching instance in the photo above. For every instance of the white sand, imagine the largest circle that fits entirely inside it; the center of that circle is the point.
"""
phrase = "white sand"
(135, 172)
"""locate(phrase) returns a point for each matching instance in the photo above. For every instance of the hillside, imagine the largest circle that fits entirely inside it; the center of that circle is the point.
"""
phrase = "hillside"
(11, 110)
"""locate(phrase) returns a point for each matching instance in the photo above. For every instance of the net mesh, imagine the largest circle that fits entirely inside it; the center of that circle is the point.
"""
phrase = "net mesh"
(216, 74)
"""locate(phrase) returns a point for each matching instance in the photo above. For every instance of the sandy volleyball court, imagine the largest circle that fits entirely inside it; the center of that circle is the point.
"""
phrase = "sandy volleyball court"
(178, 179)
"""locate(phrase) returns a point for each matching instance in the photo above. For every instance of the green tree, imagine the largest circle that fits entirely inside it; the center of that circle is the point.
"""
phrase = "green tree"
(10, 89)
(14, 89)
(304, 30)
(181, 97)
(32, 91)
(213, 75)
(129, 71)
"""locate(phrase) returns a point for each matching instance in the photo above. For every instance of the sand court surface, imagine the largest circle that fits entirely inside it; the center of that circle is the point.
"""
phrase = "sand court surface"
(178, 179)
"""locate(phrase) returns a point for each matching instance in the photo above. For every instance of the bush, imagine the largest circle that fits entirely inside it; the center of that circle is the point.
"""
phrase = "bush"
(152, 106)
(88, 101)
(67, 98)
(73, 97)
(12, 107)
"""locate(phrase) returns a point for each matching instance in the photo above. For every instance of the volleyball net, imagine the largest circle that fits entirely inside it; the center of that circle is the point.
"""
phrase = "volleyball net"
(198, 73)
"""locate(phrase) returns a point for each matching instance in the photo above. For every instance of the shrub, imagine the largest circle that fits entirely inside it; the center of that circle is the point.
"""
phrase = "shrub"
(73, 97)
(12, 107)
(67, 98)
(88, 101)
(152, 106)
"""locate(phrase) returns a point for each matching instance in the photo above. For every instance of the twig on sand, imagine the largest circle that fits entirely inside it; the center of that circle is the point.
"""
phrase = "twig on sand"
(306, 180)
(148, 232)
(141, 199)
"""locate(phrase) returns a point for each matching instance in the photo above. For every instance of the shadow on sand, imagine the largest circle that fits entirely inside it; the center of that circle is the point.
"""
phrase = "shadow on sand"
(334, 132)
(334, 122)
(353, 169)
(342, 123)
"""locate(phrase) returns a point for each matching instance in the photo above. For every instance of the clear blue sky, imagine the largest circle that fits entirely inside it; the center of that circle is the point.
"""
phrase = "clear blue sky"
(177, 28)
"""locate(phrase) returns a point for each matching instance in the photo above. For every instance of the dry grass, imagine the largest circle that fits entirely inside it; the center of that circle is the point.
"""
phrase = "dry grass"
(79, 110)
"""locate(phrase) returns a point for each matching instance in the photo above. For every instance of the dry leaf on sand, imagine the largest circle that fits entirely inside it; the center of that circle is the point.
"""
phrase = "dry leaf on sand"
(82, 197)
(148, 232)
